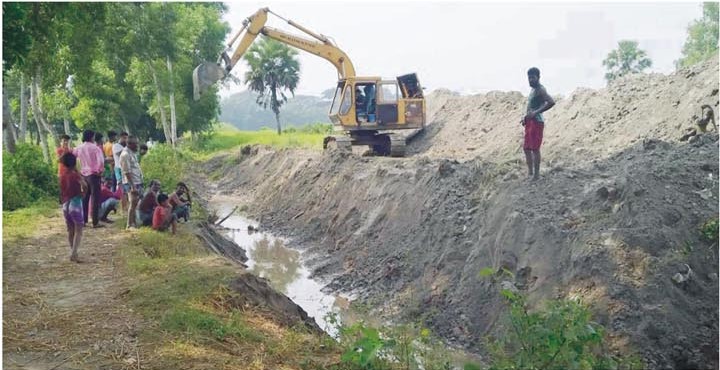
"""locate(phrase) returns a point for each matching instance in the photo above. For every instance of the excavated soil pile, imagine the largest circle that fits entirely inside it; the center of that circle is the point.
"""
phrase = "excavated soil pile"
(588, 124)
(614, 219)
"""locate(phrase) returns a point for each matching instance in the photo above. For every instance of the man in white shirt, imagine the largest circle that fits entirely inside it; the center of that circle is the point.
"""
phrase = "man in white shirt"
(132, 177)
(117, 148)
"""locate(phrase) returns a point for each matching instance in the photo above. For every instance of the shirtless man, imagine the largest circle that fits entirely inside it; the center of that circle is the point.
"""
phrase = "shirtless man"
(539, 101)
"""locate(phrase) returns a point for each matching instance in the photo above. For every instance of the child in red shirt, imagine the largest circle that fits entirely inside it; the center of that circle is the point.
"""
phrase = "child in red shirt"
(163, 215)
(72, 188)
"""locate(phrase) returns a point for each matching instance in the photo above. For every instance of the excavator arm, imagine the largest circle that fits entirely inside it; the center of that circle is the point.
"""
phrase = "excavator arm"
(207, 74)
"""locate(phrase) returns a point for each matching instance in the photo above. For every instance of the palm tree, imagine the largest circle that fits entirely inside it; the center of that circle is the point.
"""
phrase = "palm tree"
(274, 69)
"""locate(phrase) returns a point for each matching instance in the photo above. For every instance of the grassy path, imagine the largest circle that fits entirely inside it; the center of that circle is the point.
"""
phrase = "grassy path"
(140, 300)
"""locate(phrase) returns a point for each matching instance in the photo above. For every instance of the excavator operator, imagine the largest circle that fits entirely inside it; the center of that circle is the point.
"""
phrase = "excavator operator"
(360, 103)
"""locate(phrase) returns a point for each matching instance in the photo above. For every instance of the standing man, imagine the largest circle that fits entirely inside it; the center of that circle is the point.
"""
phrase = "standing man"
(117, 148)
(132, 177)
(109, 158)
(92, 166)
(538, 102)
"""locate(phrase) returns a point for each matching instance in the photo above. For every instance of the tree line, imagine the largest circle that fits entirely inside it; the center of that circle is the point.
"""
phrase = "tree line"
(74, 66)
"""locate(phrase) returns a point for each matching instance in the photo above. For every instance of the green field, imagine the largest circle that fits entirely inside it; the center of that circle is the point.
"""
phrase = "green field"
(228, 137)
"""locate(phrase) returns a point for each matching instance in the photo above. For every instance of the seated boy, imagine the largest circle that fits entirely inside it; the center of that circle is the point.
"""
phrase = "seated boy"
(163, 216)
(108, 200)
(180, 206)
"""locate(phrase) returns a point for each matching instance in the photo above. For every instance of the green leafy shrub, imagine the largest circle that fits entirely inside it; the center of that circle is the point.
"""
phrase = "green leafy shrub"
(166, 165)
(562, 336)
(709, 230)
(391, 347)
(27, 177)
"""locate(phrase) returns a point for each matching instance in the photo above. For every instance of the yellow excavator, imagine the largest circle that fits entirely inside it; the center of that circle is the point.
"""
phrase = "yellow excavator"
(367, 110)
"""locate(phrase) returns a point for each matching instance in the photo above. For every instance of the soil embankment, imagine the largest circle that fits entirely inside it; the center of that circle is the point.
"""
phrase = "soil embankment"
(613, 219)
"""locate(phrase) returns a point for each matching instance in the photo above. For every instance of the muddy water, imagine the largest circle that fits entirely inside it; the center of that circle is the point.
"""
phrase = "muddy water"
(270, 258)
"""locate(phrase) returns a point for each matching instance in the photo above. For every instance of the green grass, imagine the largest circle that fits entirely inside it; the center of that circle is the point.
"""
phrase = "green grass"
(309, 137)
(198, 322)
(24, 222)
(176, 278)
(183, 291)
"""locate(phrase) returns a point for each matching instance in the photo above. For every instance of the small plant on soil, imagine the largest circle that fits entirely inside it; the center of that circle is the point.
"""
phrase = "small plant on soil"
(709, 230)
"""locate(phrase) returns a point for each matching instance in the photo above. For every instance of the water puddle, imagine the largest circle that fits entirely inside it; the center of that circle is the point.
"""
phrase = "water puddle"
(270, 258)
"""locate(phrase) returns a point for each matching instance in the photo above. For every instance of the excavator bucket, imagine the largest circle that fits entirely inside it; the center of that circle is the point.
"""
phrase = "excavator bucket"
(204, 76)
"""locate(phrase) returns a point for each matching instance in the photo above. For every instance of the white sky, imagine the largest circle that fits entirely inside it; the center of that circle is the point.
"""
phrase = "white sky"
(476, 46)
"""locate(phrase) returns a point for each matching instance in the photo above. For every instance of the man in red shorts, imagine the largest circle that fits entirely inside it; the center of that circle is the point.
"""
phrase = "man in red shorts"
(538, 102)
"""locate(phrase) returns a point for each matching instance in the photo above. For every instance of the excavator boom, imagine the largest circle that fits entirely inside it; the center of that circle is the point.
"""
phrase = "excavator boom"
(208, 73)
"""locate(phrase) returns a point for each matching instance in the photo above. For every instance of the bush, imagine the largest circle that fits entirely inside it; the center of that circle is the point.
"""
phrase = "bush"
(164, 164)
(394, 347)
(560, 337)
(27, 178)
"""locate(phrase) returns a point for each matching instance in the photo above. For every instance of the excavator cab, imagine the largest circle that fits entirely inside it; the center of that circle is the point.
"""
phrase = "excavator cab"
(362, 103)
(366, 106)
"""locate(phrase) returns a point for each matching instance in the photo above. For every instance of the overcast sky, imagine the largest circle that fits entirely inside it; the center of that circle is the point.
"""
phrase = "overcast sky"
(477, 47)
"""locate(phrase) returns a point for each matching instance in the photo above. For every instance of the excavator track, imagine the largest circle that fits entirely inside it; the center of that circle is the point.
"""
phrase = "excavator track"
(342, 143)
(397, 145)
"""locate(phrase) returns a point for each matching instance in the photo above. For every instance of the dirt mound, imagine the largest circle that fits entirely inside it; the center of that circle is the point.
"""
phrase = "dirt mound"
(414, 233)
(589, 123)
(256, 292)
(614, 226)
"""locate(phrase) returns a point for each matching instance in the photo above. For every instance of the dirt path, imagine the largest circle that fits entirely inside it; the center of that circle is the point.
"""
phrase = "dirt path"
(62, 315)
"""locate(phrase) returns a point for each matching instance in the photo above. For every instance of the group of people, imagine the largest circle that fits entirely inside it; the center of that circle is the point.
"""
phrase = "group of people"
(95, 177)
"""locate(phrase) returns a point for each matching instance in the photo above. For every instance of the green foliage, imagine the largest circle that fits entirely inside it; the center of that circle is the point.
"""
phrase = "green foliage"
(274, 69)
(702, 38)
(560, 337)
(165, 164)
(709, 230)
(626, 59)
(27, 177)
(365, 348)
(393, 347)
(96, 43)
(16, 39)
